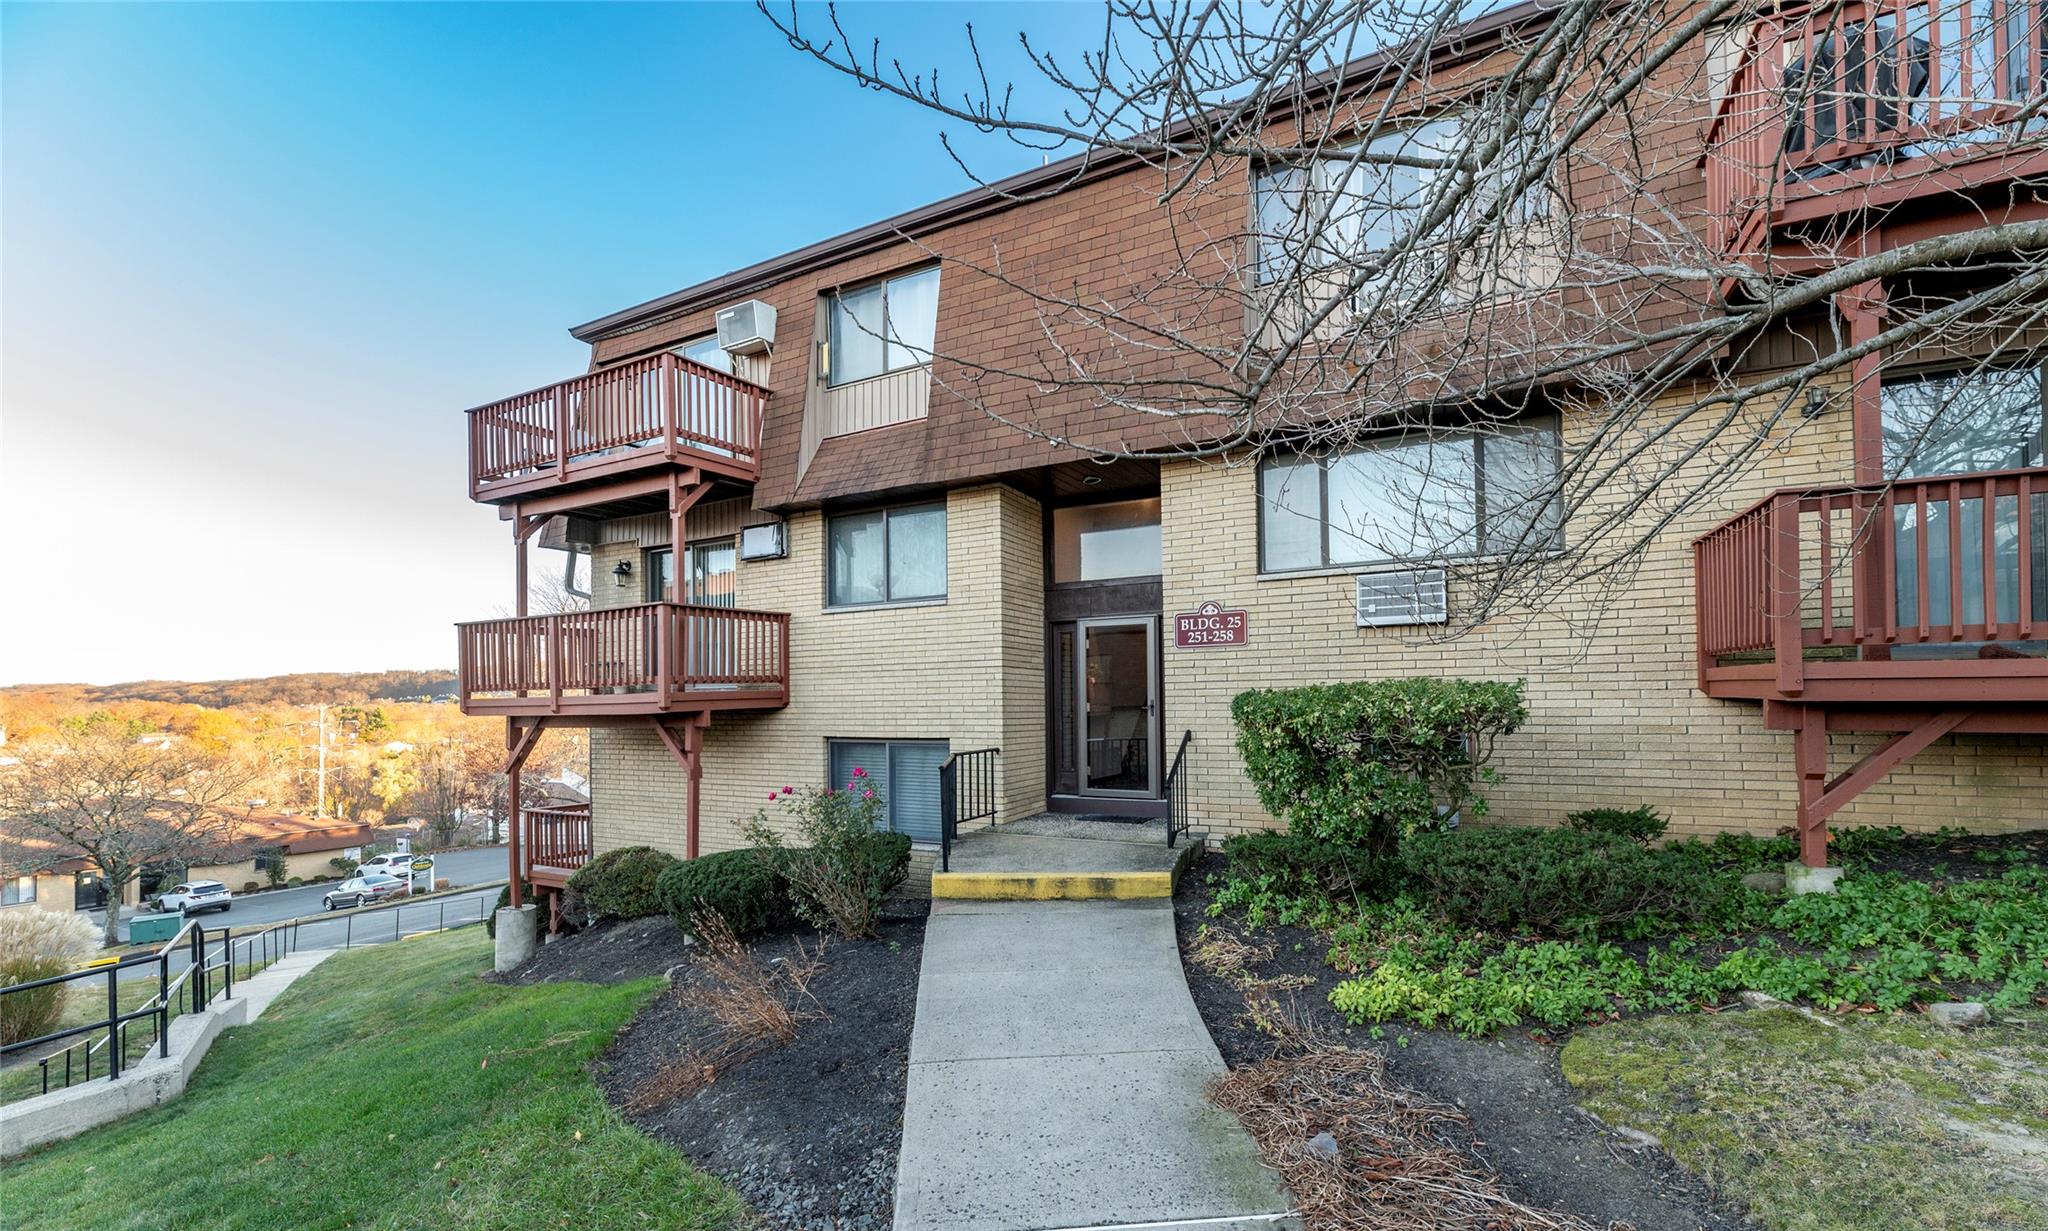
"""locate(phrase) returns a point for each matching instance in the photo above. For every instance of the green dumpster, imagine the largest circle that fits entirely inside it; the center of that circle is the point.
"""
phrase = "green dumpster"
(143, 929)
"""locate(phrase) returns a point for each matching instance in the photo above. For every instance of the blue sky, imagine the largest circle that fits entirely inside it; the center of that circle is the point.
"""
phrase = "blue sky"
(255, 260)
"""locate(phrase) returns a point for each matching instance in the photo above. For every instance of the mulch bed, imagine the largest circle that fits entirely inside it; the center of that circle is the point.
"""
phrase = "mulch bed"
(1519, 1118)
(807, 1132)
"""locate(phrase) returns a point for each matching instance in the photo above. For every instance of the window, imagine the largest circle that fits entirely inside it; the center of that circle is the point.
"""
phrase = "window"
(883, 327)
(886, 556)
(15, 890)
(1412, 498)
(1967, 421)
(905, 773)
(707, 351)
(1098, 542)
(1373, 206)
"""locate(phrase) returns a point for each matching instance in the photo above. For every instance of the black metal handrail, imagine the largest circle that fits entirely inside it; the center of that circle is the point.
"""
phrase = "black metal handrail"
(1176, 792)
(209, 974)
(967, 792)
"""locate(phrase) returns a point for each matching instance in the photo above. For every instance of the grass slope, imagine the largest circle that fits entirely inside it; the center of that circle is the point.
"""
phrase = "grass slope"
(1876, 1124)
(389, 1088)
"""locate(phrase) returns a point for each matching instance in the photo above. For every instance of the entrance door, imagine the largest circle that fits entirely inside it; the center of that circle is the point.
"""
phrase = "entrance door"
(1106, 713)
(714, 566)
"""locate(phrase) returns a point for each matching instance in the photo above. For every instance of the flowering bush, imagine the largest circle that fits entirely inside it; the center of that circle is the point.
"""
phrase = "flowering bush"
(844, 867)
(36, 944)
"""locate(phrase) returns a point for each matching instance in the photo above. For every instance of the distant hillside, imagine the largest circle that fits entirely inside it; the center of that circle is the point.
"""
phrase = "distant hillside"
(309, 688)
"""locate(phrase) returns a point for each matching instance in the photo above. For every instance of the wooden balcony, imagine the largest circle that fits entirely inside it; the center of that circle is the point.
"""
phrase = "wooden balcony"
(1842, 115)
(556, 843)
(650, 659)
(1925, 591)
(637, 419)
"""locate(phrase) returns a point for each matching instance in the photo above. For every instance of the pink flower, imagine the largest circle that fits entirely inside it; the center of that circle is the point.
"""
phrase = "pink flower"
(858, 772)
(789, 790)
(771, 797)
(867, 794)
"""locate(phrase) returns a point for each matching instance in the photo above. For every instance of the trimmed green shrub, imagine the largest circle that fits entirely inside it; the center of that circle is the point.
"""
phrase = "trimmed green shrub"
(1298, 866)
(620, 884)
(1364, 765)
(1643, 825)
(741, 887)
(1558, 882)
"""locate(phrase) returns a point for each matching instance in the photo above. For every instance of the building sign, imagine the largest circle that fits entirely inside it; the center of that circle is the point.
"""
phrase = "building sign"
(1210, 625)
(422, 866)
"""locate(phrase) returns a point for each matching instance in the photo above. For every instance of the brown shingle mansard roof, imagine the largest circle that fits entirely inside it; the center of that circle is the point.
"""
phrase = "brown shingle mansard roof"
(1469, 40)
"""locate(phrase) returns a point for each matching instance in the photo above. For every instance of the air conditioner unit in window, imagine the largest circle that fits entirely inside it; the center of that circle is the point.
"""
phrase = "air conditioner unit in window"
(762, 542)
(746, 328)
(1412, 596)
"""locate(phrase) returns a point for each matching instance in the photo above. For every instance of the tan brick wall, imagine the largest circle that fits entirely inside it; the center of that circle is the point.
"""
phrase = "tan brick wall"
(970, 669)
(1615, 717)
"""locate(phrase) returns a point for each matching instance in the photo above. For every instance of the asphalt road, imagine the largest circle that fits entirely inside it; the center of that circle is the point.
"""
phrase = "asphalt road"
(458, 868)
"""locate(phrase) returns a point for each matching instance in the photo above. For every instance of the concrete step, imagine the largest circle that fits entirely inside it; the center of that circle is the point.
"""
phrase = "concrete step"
(1001, 867)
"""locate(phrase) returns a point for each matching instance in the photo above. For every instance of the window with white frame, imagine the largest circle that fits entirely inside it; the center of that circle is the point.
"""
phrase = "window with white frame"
(707, 351)
(882, 327)
(893, 555)
(1359, 201)
(17, 890)
(1411, 497)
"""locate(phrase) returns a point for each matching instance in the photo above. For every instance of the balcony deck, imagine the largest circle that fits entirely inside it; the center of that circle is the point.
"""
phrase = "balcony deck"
(1923, 592)
(1912, 114)
(636, 419)
(556, 842)
(645, 660)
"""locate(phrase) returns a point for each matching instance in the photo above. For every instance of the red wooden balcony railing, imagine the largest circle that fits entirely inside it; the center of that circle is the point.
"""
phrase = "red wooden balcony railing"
(557, 837)
(1824, 95)
(663, 407)
(649, 658)
(1957, 560)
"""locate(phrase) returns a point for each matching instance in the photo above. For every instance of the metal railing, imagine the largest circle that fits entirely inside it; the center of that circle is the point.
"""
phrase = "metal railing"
(967, 792)
(1176, 791)
(209, 974)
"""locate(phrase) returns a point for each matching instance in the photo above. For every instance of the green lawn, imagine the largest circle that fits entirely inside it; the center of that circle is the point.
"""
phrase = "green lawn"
(1875, 1124)
(391, 1087)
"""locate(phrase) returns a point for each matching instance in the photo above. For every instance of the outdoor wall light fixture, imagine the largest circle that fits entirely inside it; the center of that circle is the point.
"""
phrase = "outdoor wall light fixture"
(622, 572)
(1816, 402)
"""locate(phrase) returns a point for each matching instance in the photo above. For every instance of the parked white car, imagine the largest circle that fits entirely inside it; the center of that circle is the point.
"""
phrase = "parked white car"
(398, 865)
(194, 896)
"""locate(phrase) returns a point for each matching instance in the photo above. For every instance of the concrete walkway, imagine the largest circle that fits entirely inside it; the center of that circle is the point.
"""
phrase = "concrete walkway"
(1058, 1078)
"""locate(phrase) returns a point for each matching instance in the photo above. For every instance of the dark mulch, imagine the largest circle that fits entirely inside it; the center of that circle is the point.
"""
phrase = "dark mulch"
(1524, 1123)
(1968, 857)
(807, 1132)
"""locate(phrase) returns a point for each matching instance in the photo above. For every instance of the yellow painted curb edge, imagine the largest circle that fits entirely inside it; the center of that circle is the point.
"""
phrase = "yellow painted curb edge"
(1050, 886)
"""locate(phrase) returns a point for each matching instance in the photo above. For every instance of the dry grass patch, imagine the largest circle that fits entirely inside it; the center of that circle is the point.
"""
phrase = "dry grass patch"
(1397, 1164)
(752, 1005)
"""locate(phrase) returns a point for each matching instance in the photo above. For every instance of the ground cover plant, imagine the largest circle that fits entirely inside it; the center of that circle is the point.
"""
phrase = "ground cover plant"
(1485, 930)
(1862, 1123)
(481, 1115)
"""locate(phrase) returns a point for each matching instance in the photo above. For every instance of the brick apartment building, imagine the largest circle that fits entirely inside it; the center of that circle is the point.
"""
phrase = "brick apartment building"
(810, 551)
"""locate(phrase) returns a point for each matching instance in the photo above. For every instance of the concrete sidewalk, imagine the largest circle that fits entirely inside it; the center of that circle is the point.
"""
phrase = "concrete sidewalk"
(1058, 1078)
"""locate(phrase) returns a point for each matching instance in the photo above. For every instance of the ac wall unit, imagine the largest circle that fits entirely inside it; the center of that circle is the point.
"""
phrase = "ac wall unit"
(1411, 596)
(762, 542)
(746, 328)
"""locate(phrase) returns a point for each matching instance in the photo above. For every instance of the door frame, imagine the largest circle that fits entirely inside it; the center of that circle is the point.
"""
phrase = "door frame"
(1155, 706)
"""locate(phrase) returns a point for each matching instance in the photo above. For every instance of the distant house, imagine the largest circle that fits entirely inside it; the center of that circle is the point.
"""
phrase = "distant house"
(302, 846)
